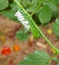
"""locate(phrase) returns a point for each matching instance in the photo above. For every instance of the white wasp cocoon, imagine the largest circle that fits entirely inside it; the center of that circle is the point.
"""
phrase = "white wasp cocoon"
(22, 20)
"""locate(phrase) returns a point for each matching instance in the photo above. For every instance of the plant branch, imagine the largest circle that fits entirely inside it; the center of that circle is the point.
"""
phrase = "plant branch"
(42, 34)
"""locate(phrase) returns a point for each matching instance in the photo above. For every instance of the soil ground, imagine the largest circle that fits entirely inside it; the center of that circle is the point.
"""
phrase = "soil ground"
(9, 28)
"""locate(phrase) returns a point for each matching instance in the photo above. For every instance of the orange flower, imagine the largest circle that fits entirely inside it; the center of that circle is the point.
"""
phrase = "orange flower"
(16, 48)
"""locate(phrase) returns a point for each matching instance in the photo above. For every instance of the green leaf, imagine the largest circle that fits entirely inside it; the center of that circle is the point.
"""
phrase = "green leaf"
(52, 5)
(45, 14)
(13, 7)
(57, 2)
(57, 63)
(35, 6)
(25, 3)
(55, 27)
(37, 58)
(56, 59)
(10, 14)
(22, 35)
(34, 31)
(3, 4)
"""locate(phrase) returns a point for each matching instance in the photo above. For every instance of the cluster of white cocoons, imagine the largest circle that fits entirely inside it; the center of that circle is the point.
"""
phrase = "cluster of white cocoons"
(22, 20)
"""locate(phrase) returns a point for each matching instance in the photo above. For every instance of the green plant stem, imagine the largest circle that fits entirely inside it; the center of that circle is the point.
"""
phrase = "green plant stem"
(32, 14)
(42, 34)
(46, 39)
